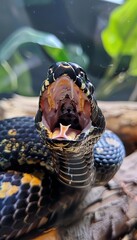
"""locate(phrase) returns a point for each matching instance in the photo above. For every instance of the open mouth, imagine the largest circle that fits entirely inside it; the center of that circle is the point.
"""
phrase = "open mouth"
(66, 110)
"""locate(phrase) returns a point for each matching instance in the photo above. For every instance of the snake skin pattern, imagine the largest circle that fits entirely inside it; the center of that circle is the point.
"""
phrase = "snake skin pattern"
(45, 175)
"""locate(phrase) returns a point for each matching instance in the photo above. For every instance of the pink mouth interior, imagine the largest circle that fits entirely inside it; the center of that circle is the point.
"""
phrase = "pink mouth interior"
(66, 109)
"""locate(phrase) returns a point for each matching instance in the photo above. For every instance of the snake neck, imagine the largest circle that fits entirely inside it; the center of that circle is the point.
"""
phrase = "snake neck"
(74, 165)
(70, 123)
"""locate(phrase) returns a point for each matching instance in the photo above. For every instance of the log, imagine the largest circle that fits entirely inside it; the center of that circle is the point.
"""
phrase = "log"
(121, 118)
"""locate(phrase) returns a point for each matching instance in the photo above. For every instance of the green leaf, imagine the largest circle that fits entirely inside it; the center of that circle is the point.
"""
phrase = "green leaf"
(23, 75)
(71, 53)
(120, 37)
(132, 70)
(8, 79)
(26, 35)
(76, 54)
(14, 73)
(58, 54)
(15, 76)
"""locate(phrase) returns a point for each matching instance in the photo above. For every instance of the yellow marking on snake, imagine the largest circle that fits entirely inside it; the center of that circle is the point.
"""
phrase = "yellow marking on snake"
(46, 83)
(10, 145)
(31, 179)
(50, 234)
(7, 189)
(22, 148)
(43, 88)
(12, 132)
(83, 86)
(87, 93)
(32, 161)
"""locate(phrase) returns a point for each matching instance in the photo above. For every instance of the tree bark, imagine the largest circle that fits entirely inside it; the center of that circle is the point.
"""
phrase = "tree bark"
(121, 118)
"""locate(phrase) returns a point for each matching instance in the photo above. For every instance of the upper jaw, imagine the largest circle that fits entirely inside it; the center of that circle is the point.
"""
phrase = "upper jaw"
(66, 110)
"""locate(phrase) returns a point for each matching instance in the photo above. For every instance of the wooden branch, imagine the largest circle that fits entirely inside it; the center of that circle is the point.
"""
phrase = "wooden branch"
(121, 118)
(18, 106)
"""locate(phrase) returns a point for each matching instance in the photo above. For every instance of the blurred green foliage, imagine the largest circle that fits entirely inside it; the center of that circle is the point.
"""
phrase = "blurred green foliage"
(15, 74)
(120, 36)
(120, 40)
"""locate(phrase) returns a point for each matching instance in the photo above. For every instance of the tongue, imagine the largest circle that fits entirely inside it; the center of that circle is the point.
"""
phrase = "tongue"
(64, 132)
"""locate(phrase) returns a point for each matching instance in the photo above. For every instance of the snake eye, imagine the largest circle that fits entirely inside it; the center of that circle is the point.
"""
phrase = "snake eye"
(91, 87)
(50, 71)
(82, 75)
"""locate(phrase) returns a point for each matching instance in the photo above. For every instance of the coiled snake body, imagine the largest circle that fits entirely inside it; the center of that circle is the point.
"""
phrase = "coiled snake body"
(50, 164)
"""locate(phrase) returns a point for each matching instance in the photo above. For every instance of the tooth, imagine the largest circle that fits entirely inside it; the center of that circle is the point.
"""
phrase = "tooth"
(61, 133)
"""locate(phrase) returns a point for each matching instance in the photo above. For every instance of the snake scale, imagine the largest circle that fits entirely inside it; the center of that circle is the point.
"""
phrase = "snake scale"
(48, 164)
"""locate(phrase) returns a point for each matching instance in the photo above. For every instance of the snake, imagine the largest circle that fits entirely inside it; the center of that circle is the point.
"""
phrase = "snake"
(48, 164)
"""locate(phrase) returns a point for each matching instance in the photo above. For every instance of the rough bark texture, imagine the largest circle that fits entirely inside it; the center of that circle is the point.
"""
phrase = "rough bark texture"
(110, 211)
(121, 118)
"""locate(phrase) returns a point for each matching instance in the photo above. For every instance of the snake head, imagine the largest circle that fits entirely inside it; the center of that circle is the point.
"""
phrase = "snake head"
(68, 119)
